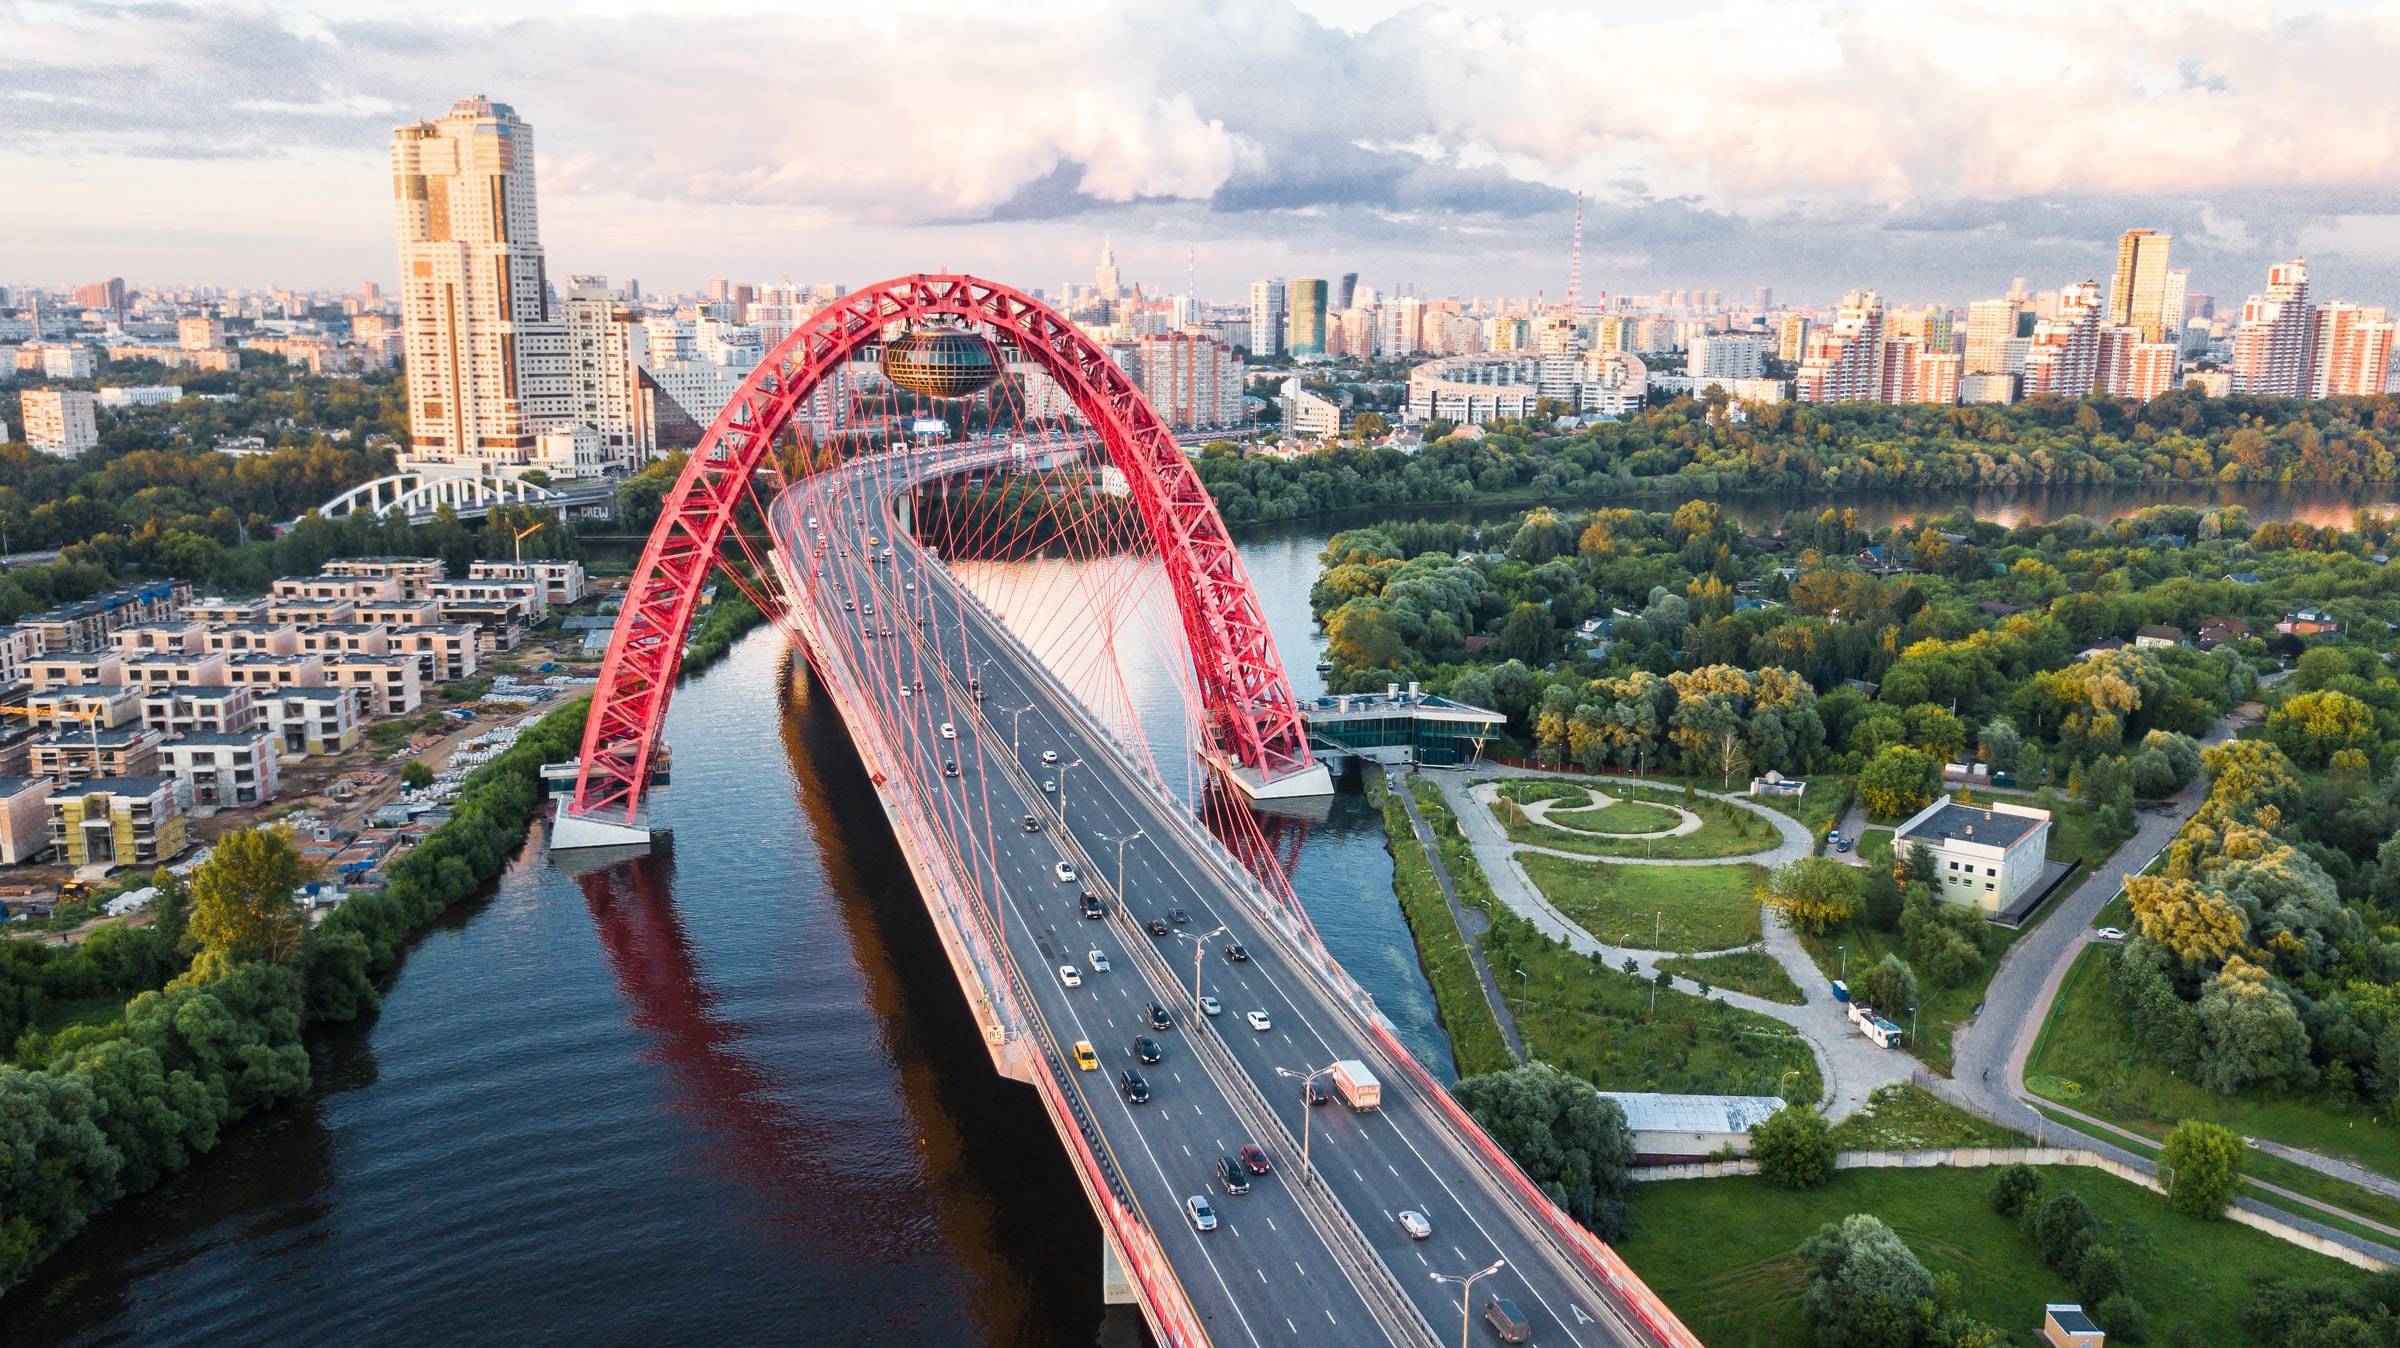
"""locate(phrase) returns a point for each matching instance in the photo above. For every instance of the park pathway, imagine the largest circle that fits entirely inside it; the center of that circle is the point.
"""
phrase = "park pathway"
(1472, 922)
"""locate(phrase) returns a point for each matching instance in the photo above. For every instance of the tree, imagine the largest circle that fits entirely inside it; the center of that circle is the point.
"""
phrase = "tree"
(2206, 1161)
(1865, 1286)
(2062, 1229)
(2195, 922)
(2311, 727)
(1568, 1140)
(1899, 781)
(1794, 1148)
(2015, 1190)
(242, 896)
(1812, 892)
(415, 775)
(2253, 1034)
(1888, 983)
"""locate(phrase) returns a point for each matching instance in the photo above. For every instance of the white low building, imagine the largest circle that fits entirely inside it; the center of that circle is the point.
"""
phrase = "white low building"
(1669, 1128)
(1987, 855)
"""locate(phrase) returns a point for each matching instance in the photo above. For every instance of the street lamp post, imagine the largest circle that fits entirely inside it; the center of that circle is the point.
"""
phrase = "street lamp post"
(1306, 1079)
(1062, 785)
(1120, 842)
(1199, 948)
(1466, 1295)
(1016, 716)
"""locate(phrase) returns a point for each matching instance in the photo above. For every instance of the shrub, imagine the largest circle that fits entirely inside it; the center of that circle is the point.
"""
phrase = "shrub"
(2123, 1318)
(2205, 1160)
(2015, 1190)
(2062, 1229)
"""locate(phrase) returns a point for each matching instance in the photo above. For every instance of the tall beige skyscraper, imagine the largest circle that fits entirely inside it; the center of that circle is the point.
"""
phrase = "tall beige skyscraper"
(485, 360)
(2137, 296)
(1991, 326)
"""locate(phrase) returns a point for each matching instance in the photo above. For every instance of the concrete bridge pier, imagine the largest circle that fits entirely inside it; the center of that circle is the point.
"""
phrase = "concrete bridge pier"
(1116, 1285)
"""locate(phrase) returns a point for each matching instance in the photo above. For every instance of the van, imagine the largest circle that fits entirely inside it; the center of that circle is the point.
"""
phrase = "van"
(1506, 1320)
(1232, 1176)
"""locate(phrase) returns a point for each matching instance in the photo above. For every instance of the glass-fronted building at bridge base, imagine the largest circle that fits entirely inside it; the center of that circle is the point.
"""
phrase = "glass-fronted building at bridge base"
(1399, 725)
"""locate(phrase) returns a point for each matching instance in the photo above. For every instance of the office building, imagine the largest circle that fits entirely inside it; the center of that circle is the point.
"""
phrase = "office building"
(1985, 855)
(60, 421)
(1306, 413)
(1105, 285)
(2271, 346)
(2137, 294)
(1306, 331)
(483, 351)
(1268, 305)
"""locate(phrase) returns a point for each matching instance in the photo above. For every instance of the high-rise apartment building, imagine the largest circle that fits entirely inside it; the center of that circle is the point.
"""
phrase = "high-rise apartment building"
(2271, 355)
(1267, 317)
(2064, 356)
(1843, 363)
(2130, 367)
(2137, 294)
(484, 356)
(108, 294)
(1306, 336)
(1791, 339)
(60, 421)
(1194, 381)
(199, 332)
(2352, 351)
(1400, 327)
(1345, 293)
(603, 380)
(1991, 325)
(1727, 355)
(2172, 305)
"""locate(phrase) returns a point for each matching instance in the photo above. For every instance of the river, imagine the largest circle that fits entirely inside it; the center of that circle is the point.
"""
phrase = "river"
(727, 1094)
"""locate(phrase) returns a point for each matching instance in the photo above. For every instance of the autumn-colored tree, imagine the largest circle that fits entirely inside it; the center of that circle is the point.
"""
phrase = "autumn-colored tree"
(1899, 781)
(2312, 727)
(2195, 922)
(1812, 892)
(242, 896)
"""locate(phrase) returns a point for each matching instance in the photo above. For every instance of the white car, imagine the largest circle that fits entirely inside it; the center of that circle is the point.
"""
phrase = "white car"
(1049, 786)
(2110, 933)
(1097, 960)
(1259, 1022)
(1204, 1217)
(1415, 1225)
(1049, 757)
(1070, 975)
(1065, 873)
(1210, 1006)
(949, 731)
(904, 690)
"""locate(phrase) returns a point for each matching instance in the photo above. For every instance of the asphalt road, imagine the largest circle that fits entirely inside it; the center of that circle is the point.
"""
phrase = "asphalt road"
(1270, 1272)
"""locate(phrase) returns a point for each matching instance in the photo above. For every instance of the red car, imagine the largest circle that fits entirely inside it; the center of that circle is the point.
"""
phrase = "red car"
(1255, 1157)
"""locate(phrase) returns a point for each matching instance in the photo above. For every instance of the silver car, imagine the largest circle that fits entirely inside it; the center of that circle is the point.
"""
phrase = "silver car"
(1415, 1225)
(1204, 1217)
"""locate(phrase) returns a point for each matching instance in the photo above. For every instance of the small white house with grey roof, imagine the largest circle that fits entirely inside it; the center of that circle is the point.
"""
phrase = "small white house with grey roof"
(1669, 1128)
(1985, 855)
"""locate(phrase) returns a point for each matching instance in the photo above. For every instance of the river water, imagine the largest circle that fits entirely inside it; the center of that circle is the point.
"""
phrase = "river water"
(727, 1094)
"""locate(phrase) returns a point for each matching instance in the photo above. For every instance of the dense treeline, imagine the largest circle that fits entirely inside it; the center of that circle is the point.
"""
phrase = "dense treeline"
(1694, 446)
(93, 1113)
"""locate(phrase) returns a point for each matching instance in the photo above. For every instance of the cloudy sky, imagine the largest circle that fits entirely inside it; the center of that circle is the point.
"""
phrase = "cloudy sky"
(1931, 150)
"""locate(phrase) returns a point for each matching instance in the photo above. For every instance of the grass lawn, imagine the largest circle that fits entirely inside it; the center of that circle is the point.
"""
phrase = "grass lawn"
(1903, 1116)
(1476, 1045)
(2086, 1058)
(1721, 1251)
(2075, 833)
(1752, 971)
(1875, 846)
(1624, 816)
(1942, 1010)
(1598, 1023)
(1691, 908)
(1725, 830)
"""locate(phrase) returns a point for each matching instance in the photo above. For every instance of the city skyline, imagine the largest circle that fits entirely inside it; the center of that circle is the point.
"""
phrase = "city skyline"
(1446, 157)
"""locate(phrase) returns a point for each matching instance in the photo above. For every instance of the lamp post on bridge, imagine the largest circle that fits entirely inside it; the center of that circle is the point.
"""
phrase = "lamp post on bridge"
(1199, 948)
(1016, 716)
(1466, 1295)
(1120, 846)
(1062, 784)
(1307, 1080)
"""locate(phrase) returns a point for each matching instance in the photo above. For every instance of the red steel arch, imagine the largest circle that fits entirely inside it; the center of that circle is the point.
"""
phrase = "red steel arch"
(1253, 714)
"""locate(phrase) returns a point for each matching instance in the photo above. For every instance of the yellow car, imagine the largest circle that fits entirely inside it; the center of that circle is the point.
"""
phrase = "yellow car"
(1084, 1057)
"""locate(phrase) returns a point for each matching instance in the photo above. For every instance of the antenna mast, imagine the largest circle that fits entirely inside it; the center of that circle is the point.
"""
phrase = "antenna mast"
(1575, 265)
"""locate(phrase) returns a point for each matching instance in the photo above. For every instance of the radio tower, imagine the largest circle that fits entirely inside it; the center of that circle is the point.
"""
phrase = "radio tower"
(1575, 265)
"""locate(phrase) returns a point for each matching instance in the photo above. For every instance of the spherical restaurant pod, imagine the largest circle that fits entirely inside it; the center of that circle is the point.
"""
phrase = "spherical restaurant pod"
(941, 362)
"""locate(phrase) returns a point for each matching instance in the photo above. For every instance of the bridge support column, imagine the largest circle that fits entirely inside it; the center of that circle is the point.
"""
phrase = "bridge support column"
(1314, 780)
(573, 832)
(1116, 1285)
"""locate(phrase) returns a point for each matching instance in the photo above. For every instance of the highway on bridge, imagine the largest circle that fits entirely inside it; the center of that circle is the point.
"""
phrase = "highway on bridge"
(1289, 1261)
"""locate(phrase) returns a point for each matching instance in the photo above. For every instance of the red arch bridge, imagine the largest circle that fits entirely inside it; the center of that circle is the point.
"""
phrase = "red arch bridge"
(1000, 592)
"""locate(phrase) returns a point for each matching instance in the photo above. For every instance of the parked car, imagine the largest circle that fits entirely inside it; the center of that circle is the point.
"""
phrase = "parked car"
(2110, 933)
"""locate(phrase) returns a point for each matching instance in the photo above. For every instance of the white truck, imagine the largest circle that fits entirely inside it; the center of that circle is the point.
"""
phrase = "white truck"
(1883, 1032)
(1360, 1090)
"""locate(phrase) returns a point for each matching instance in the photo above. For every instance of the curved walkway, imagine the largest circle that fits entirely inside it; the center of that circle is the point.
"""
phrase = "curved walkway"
(1852, 1067)
(1793, 838)
(1595, 800)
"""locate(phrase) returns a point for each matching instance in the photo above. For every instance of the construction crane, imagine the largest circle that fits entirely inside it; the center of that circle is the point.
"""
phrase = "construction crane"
(91, 722)
(522, 534)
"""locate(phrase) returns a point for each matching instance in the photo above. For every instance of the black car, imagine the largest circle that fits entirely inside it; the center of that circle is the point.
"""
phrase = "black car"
(1158, 926)
(1232, 1176)
(1178, 916)
(1091, 905)
(1317, 1094)
(1159, 1019)
(1135, 1090)
(1234, 954)
(950, 768)
(1032, 825)
(1146, 1049)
